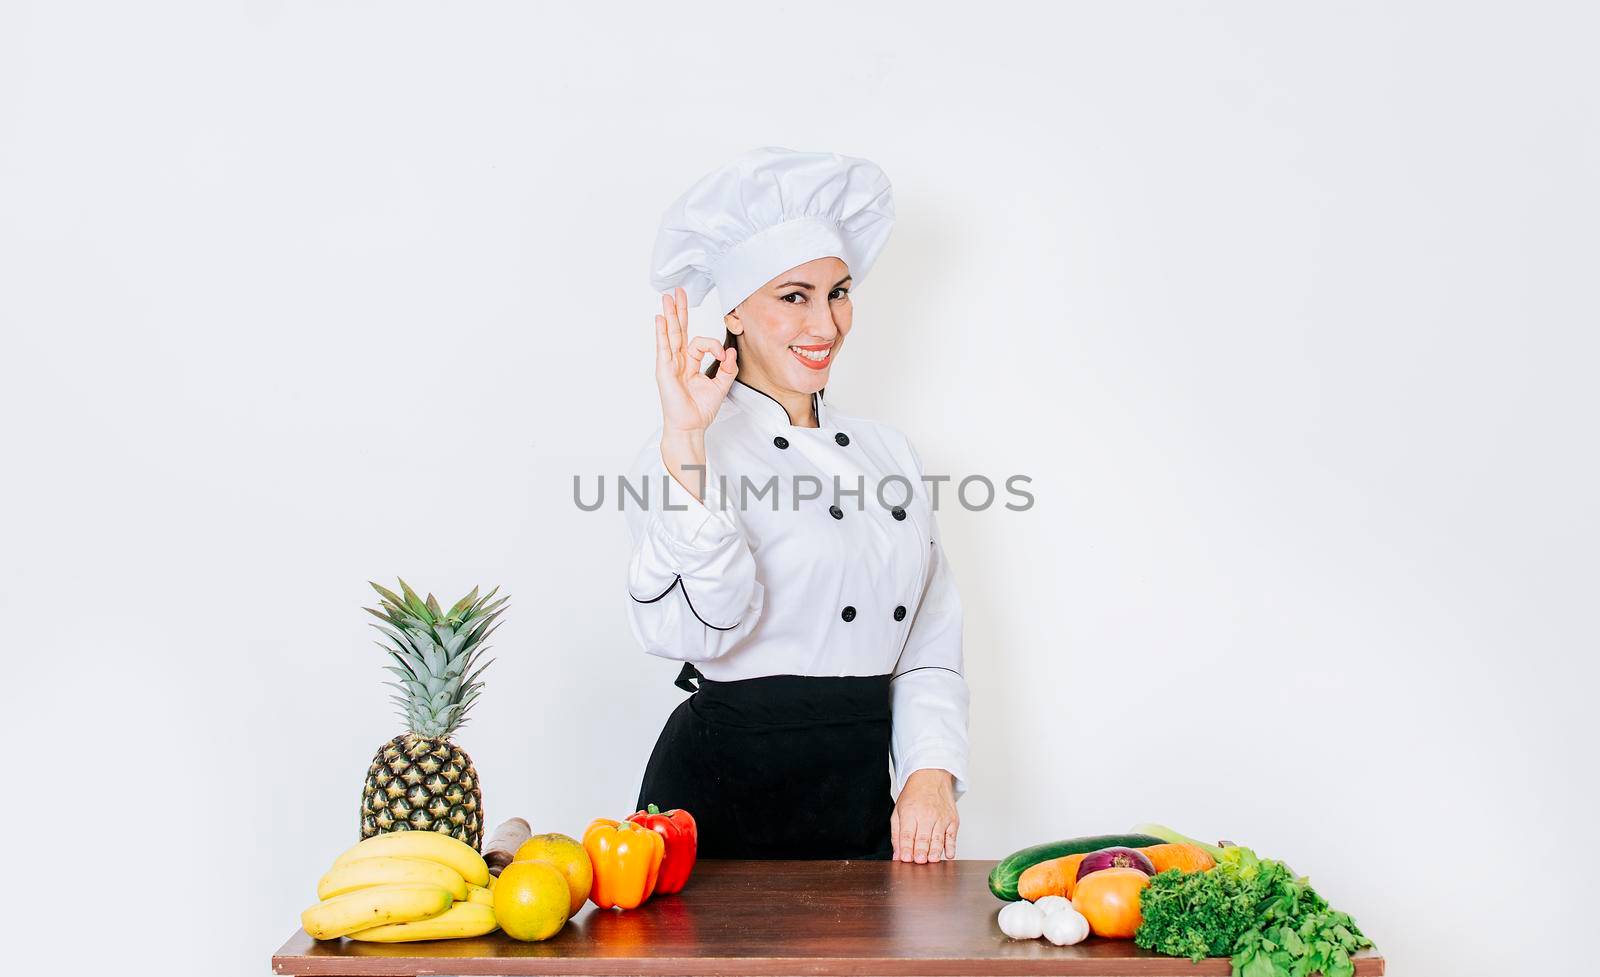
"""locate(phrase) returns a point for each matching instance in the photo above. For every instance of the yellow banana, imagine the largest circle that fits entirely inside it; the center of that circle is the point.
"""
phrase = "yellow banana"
(375, 905)
(385, 870)
(480, 895)
(461, 919)
(431, 845)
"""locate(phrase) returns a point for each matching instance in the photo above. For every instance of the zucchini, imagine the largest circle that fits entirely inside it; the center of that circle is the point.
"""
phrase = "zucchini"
(1003, 880)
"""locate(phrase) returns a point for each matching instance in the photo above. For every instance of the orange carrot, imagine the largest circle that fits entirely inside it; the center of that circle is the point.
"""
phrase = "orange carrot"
(1051, 877)
(1186, 858)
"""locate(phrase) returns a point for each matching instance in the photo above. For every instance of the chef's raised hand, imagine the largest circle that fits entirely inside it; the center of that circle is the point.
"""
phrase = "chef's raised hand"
(689, 398)
(924, 821)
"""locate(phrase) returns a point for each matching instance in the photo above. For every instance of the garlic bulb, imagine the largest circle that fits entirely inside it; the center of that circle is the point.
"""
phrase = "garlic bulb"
(1052, 904)
(1021, 920)
(1065, 927)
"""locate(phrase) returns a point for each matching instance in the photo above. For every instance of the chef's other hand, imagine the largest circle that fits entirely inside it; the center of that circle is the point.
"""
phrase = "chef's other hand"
(924, 821)
(689, 398)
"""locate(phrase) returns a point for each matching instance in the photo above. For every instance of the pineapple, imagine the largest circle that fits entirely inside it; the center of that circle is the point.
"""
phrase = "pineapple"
(420, 780)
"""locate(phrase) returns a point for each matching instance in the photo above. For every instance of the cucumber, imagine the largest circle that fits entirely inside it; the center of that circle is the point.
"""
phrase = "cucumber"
(1003, 880)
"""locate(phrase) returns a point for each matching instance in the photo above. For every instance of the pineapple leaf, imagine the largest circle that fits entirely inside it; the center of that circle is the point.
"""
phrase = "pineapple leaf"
(431, 655)
(472, 680)
(415, 603)
(481, 630)
(396, 654)
(388, 595)
(411, 688)
(480, 610)
(404, 656)
(433, 607)
(410, 661)
(484, 637)
(494, 607)
(461, 605)
(398, 635)
(479, 620)
(464, 674)
(400, 655)
(451, 641)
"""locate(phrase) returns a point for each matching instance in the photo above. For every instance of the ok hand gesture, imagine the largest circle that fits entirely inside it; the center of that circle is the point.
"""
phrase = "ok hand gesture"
(689, 398)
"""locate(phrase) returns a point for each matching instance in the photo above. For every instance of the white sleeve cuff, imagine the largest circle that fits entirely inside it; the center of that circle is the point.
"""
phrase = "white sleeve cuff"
(935, 758)
(687, 522)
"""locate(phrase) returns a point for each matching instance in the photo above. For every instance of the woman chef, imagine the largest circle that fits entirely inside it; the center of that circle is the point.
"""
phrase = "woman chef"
(793, 565)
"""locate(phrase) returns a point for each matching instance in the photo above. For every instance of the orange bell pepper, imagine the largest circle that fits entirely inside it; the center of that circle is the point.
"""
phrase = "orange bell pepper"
(627, 861)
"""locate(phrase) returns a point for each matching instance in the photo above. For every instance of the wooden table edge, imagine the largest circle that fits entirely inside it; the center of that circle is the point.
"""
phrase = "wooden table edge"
(290, 959)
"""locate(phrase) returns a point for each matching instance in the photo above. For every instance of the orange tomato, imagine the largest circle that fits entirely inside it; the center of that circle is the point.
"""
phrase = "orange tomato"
(1109, 900)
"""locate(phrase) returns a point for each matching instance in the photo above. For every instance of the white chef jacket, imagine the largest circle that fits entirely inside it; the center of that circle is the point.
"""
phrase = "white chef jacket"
(780, 583)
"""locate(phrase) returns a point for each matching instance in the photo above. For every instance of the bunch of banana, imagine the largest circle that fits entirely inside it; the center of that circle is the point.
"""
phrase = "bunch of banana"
(404, 886)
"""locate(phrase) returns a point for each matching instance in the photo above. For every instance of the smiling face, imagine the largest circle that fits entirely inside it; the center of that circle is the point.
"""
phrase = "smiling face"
(791, 328)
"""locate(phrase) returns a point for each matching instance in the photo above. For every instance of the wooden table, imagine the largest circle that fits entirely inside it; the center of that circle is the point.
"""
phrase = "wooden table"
(774, 919)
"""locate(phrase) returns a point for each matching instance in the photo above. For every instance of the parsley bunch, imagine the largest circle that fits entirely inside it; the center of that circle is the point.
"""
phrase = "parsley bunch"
(1257, 910)
(1195, 915)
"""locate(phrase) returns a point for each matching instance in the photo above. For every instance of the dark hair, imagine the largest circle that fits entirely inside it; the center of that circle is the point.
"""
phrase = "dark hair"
(728, 340)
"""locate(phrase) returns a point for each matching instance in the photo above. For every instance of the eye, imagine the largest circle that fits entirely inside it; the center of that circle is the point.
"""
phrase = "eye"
(791, 295)
(840, 293)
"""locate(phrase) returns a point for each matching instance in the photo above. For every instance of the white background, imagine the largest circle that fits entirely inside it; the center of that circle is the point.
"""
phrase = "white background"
(1287, 310)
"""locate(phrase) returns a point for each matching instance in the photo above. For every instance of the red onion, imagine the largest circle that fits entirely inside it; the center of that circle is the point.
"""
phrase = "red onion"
(1115, 858)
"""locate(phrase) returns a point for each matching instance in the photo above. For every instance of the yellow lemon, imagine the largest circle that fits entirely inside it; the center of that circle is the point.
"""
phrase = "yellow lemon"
(566, 854)
(531, 900)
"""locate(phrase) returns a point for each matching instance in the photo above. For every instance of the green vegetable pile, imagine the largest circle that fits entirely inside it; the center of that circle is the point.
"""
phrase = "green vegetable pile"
(1270, 921)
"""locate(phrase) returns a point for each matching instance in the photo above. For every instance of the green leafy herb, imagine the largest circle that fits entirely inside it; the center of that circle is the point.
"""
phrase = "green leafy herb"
(1195, 915)
(1257, 910)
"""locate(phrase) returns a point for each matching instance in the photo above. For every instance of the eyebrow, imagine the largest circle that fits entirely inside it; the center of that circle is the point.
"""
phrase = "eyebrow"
(809, 285)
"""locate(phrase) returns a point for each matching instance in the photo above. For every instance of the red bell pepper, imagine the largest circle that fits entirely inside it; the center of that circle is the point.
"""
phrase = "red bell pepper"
(677, 829)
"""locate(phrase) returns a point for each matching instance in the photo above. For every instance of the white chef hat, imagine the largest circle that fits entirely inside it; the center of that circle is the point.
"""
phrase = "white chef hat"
(766, 211)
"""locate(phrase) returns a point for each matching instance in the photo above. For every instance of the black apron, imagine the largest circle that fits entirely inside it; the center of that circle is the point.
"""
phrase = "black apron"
(780, 766)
